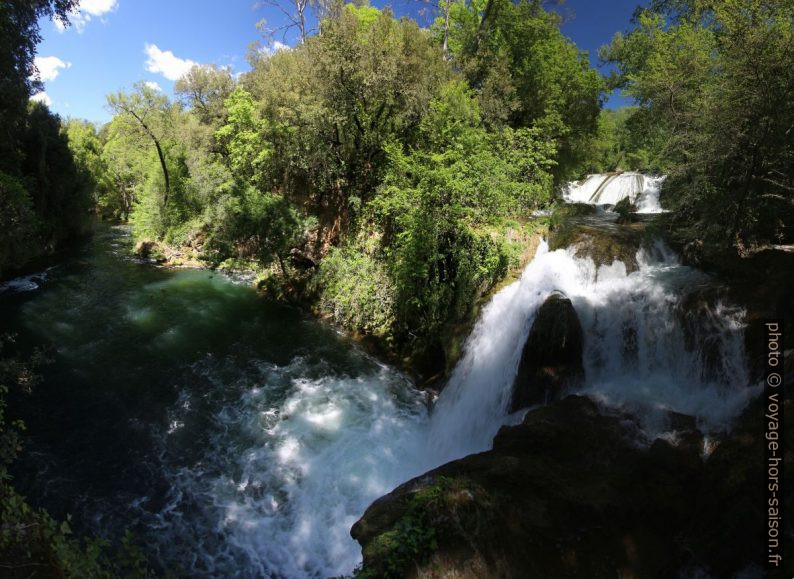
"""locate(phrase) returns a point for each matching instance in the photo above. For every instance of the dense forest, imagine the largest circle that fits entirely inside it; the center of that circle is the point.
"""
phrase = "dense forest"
(398, 164)
(385, 174)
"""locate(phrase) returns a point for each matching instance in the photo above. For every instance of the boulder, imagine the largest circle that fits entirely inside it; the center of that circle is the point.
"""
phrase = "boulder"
(551, 361)
(626, 210)
(573, 491)
(567, 493)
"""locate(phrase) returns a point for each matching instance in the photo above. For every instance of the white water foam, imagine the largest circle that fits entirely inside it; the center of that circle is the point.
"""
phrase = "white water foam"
(296, 458)
(25, 283)
(609, 189)
(282, 482)
(635, 354)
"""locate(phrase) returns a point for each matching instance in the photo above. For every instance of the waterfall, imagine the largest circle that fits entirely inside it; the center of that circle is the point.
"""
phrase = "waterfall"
(255, 440)
(609, 189)
(647, 349)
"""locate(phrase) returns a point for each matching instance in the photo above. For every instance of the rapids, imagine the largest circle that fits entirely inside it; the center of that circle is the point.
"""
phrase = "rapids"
(238, 437)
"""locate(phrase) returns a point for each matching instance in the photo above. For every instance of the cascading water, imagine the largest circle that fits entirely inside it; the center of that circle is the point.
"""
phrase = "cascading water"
(237, 439)
(280, 484)
(644, 353)
(609, 189)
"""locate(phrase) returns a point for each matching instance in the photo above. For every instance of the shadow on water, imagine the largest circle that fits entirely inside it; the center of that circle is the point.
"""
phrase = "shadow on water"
(165, 384)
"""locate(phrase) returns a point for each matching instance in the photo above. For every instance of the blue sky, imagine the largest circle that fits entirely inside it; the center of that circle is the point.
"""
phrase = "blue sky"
(114, 43)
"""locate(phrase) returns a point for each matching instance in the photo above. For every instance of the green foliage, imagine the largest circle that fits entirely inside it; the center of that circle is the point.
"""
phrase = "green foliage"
(356, 289)
(18, 224)
(147, 214)
(61, 194)
(527, 73)
(617, 145)
(438, 210)
(336, 100)
(126, 169)
(415, 536)
(204, 89)
(242, 137)
(86, 149)
(364, 138)
(254, 224)
(19, 35)
(716, 104)
(47, 197)
(450, 115)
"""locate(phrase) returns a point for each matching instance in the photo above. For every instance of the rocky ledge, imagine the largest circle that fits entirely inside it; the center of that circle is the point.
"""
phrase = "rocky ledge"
(575, 491)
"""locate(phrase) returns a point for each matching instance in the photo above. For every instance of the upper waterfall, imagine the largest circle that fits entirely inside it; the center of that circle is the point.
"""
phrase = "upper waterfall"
(610, 188)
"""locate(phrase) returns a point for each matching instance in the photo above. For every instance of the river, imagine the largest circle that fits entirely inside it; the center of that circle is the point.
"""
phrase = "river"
(233, 435)
(238, 437)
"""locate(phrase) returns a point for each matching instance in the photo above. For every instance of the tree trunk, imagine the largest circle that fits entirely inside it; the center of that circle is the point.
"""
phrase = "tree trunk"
(485, 22)
(160, 154)
(446, 29)
(165, 171)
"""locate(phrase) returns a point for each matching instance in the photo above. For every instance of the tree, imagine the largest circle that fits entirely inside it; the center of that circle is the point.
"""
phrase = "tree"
(295, 11)
(263, 226)
(716, 102)
(18, 223)
(204, 89)
(48, 196)
(147, 109)
(126, 165)
(527, 74)
(336, 100)
(241, 138)
(19, 35)
(439, 205)
(445, 43)
(60, 191)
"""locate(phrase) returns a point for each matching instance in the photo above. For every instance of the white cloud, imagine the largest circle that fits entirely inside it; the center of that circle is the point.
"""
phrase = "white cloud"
(98, 7)
(153, 85)
(49, 67)
(164, 62)
(42, 97)
(274, 48)
(88, 10)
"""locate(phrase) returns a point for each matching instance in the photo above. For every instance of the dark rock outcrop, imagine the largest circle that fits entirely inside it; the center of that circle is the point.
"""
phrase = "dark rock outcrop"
(568, 493)
(564, 494)
(626, 210)
(551, 361)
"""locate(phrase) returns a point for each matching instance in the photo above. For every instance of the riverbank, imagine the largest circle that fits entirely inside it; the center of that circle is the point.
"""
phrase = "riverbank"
(297, 281)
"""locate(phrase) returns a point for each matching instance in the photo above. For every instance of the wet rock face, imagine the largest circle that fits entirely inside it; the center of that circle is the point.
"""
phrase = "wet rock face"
(600, 241)
(564, 494)
(551, 362)
(570, 493)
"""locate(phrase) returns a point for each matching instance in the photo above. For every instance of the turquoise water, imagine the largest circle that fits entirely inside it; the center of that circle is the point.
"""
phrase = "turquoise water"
(233, 435)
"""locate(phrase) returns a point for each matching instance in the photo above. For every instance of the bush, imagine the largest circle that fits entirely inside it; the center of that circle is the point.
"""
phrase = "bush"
(18, 224)
(356, 290)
